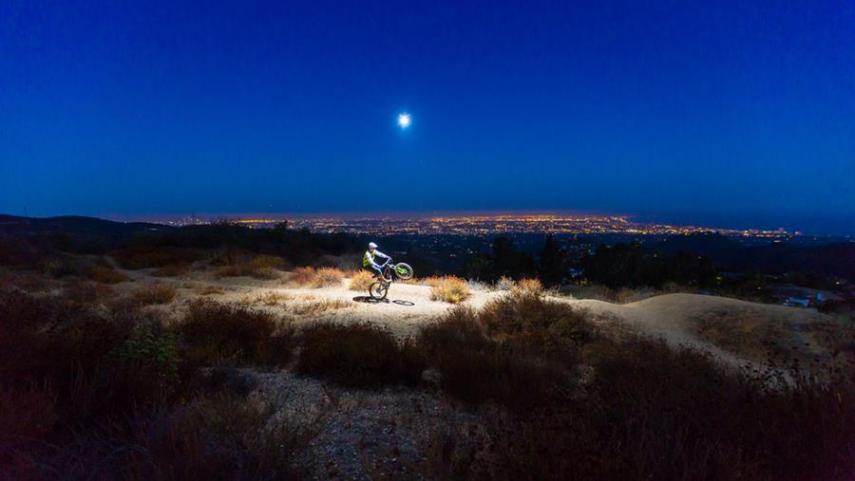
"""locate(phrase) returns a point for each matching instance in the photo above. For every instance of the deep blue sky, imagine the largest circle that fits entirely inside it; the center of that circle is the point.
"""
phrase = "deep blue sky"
(734, 111)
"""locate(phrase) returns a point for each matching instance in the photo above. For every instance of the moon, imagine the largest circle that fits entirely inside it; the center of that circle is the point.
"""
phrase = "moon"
(404, 120)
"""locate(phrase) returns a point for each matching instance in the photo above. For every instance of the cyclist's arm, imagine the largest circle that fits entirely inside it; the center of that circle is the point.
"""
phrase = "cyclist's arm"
(380, 254)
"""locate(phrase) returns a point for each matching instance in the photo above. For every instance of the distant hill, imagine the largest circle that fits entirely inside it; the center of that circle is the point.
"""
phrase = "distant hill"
(73, 225)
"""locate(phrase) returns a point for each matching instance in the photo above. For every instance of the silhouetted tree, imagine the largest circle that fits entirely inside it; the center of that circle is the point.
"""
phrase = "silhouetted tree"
(553, 262)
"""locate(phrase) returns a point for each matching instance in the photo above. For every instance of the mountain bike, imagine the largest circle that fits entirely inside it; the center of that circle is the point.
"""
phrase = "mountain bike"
(391, 272)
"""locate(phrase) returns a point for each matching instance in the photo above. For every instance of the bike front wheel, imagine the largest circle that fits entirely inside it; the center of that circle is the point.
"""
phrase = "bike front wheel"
(378, 290)
(403, 271)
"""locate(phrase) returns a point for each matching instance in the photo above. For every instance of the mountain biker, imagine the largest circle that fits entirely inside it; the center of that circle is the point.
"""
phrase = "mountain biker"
(368, 260)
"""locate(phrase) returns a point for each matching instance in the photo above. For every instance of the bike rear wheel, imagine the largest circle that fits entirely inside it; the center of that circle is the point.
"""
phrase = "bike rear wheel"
(378, 290)
(403, 271)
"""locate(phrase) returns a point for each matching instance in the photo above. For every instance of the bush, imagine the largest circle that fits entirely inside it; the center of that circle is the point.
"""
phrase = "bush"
(216, 332)
(358, 355)
(303, 276)
(106, 275)
(172, 270)
(361, 281)
(476, 369)
(217, 438)
(651, 412)
(505, 283)
(533, 324)
(328, 276)
(527, 287)
(311, 277)
(450, 289)
(155, 294)
(258, 267)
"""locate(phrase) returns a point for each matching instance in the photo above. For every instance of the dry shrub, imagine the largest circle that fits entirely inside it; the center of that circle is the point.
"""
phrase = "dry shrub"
(218, 438)
(88, 293)
(303, 276)
(155, 294)
(311, 277)
(535, 324)
(76, 353)
(258, 267)
(477, 369)
(361, 280)
(450, 289)
(649, 412)
(147, 256)
(271, 299)
(217, 332)
(66, 265)
(431, 281)
(358, 355)
(328, 276)
(527, 287)
(210, 290)
(27, 412)
(748, 334)
(172, 270)
(318, 307)
(26, 281)
(505, 283)
(106, 275)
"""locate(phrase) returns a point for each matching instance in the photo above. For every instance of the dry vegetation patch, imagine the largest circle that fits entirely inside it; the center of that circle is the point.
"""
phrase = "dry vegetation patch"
(527, 287)
(106, 275)
(748, 334)
(311, 308)
(316, 278)
(449, 289)
(258, 267)
(358, 355)
(218, 332)
(361, 280)
(155, 294)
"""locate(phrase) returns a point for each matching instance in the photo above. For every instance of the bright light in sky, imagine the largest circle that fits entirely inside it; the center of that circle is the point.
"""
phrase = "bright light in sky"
(404, 120)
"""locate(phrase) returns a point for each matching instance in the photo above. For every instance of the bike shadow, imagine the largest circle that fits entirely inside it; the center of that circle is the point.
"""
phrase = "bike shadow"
(371, 300)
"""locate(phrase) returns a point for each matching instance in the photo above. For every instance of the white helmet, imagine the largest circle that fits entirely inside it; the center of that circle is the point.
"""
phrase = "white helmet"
(372, 245)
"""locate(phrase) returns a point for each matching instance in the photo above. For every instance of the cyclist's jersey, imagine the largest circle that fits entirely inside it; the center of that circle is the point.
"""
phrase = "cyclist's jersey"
(368, 258)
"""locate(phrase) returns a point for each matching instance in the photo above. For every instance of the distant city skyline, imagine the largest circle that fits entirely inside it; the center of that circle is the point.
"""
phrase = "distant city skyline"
(399, 221)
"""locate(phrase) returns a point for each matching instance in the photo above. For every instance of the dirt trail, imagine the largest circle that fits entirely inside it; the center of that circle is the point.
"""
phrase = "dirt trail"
(409, 306)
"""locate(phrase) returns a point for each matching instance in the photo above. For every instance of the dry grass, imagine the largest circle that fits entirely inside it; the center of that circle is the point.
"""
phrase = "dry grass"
(328, 276)
(449, 289)
(303, 276)
(210, 290)
(527, 287)
(27, 281)
(258, 267)
(172, 270)
(747, 334)
(155, 294)
(430, 281)
(477, 369)
(87, 293)
(318, 307)
(316, 278)
(271, 299)
(361, 280)
(106, 275)
(217, 332)
(358, 355)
